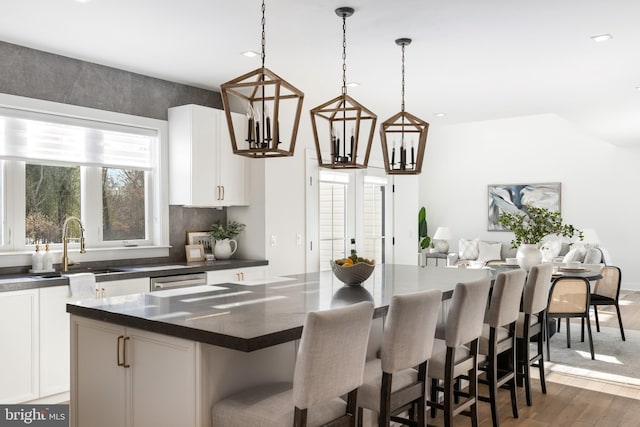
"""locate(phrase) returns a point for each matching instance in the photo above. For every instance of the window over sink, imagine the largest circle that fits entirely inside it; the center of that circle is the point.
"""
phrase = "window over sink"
(102, 167)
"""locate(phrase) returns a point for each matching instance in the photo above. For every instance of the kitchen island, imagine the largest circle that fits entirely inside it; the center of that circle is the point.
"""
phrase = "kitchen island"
(163, 358)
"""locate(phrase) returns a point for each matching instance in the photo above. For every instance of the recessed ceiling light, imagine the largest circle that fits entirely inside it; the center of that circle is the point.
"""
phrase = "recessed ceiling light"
(440, 114)
(638, 88)
(83, 1)
(353, 84)
(250, 53)
(601, 38)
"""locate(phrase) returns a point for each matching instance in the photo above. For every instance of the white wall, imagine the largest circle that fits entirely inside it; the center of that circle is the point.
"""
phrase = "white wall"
(285, 214)
(597, 179)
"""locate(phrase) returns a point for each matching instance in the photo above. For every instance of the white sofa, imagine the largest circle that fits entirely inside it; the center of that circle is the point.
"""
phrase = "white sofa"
(554, 250)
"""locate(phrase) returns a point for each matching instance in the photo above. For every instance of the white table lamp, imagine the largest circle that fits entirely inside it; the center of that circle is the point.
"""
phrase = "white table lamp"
(440, 239)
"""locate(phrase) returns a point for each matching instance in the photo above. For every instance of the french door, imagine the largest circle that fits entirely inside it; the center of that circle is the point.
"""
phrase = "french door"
(346, 210)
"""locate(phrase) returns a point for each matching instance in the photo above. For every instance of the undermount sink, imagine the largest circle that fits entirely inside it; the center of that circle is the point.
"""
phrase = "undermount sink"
(96, 271)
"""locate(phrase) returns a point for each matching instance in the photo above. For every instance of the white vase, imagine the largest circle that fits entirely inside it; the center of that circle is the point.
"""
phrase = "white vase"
(223, 250)
(528, 255)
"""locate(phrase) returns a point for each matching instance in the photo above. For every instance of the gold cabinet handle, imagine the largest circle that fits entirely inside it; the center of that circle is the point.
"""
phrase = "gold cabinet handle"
(119, 363)
(97, 293)
(104, 293)
(241, 275)
(222, 192)
(218, 196)
(124, 352)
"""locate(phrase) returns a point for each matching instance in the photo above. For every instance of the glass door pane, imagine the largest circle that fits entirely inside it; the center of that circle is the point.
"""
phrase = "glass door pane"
(333, 215)
(374, 194)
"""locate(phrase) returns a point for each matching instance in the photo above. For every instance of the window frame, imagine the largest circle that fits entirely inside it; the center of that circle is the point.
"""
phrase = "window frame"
(14, 251)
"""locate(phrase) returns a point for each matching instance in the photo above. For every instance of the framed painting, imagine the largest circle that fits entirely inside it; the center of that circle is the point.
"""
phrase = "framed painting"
(515, 197)
(200, 237)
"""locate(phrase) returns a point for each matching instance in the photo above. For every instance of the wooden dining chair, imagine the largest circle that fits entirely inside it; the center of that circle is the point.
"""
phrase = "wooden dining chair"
(329, 365)
(606, 292)
(570, 298)
(396, 382)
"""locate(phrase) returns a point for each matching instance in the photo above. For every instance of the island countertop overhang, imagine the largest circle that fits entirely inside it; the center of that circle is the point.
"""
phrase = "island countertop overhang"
(248, 316)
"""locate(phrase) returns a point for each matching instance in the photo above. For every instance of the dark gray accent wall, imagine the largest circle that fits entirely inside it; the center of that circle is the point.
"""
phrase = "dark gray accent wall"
(189, 219)
(36, 74)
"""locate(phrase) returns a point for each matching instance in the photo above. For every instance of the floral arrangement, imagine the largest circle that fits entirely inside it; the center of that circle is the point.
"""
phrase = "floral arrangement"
(531, 227)
(218, 232)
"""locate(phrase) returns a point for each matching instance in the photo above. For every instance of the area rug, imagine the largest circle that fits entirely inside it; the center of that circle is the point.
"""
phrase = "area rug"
(616, 360)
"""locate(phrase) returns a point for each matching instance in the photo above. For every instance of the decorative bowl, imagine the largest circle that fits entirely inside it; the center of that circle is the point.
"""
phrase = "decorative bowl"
(352, 275)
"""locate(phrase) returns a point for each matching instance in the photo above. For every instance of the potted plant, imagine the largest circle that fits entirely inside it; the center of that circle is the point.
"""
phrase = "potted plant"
(224, 238)
(530, 228)
(424, 241)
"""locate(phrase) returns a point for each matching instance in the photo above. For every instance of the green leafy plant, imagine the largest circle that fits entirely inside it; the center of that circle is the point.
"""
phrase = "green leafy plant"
(218, 232)
(423, 237)
(531, 227)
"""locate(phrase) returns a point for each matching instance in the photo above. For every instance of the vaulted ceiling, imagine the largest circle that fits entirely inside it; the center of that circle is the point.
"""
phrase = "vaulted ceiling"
(472, 60)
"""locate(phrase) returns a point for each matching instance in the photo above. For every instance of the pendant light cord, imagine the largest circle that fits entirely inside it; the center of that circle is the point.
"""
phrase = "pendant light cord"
(264, 143)
(402, 106)
(344, 54)
(263, 34)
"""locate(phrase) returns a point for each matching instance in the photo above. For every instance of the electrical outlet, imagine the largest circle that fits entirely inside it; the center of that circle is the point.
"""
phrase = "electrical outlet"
(274, 240)
(299, 239)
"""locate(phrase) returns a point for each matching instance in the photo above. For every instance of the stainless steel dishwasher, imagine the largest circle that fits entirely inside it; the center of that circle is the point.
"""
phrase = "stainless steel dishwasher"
(180, 281)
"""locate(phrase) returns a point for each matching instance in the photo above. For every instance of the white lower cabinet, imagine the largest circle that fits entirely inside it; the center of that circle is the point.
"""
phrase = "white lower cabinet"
(54, 340)
(19, 340)
(129, 377)
(234, 275)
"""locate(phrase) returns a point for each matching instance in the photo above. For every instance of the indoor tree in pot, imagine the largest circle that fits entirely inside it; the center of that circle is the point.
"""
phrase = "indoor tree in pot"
(224, 238)
(530, 228)
(424, 241)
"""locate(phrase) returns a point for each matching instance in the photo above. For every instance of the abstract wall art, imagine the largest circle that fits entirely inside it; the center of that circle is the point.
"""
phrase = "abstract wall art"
(515, 197)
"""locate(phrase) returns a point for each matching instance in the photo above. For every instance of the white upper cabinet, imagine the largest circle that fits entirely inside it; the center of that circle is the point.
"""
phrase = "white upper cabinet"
(203, 171)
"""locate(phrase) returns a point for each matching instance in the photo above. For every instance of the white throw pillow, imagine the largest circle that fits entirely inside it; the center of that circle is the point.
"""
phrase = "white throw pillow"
(489, 251)
(576, 253)
(468, 249)
(550, 249)
(593, 256)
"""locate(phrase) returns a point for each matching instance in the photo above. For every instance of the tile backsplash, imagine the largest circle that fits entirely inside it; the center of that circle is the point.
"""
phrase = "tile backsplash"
(183, 219)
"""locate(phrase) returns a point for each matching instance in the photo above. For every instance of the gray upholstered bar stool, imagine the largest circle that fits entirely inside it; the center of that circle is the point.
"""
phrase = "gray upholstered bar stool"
(499, 337)
(329, 364)
(391, 384)
(457, 354)
(531, 323)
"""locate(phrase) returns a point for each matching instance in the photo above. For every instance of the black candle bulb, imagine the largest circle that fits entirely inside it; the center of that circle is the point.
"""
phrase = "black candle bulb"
(393, 154)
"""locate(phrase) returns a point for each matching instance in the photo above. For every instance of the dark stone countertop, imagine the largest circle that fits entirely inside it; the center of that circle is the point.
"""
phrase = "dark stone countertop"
(16, 282)
(251, 315)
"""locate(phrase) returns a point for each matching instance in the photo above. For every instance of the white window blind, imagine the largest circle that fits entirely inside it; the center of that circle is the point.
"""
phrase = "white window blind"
(45, 138)
(339, 177)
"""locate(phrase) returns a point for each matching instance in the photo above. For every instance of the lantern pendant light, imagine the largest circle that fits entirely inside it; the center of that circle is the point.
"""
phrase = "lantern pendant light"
(271, 104)
(407, 134)
(345, 120)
